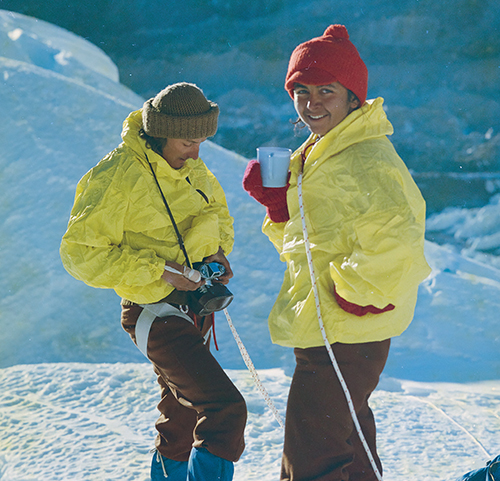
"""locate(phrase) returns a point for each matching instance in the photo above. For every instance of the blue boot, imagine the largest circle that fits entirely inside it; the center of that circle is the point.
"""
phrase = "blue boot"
(205, 466)
(163, 468)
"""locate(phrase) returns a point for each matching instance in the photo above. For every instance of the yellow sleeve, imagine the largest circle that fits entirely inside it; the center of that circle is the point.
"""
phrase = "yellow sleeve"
(275, 232)
(387, 255)
(91, 249)
(219, 206)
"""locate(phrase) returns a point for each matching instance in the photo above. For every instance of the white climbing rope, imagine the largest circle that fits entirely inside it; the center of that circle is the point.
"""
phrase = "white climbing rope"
(325, 337)
(253, 371)
(456, 423)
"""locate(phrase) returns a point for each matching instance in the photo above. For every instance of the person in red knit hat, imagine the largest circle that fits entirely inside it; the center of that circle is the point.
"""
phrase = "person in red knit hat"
(355, 266)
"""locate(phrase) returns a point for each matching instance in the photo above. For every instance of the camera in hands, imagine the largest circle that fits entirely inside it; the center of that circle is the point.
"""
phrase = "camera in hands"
(213, 296)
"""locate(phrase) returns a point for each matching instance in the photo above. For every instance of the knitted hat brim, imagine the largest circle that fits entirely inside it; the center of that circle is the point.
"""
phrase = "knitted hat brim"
(333, 52)
(309, 76)
(164, 126)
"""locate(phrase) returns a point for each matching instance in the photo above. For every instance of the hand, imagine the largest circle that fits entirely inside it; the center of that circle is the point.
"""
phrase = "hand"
(359, 310)
(179, 281)
(220, 257)
(274, 199)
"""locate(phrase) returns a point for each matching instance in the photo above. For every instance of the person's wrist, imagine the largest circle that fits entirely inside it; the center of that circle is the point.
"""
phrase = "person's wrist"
(279, 213)
(191, 274)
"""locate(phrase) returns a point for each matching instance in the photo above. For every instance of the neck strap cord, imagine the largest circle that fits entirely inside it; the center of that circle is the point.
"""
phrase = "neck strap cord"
(180, 240)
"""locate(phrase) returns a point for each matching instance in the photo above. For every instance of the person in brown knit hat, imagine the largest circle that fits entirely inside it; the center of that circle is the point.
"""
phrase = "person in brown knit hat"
(180, 111)
(350, 225)
(148, 213)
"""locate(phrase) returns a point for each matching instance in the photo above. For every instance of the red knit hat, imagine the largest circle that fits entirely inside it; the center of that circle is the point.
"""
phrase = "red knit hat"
(327, 59)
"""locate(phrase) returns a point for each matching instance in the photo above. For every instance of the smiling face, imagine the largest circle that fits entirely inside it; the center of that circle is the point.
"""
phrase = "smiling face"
(322, 107)
(177, 151)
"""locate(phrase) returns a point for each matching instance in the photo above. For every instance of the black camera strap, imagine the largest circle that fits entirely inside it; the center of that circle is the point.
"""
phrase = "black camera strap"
(180, 240)
(205, 300)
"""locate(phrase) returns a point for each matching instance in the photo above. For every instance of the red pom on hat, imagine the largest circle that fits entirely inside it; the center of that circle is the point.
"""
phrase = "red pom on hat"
(338, 31)
(327, 59)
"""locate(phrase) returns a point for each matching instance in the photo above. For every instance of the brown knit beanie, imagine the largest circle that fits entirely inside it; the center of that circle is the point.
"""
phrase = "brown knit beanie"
(180, 111)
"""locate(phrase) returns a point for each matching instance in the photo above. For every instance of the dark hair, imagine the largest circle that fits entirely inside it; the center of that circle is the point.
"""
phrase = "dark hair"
(298, 125)
(154, 143)
(351, 97)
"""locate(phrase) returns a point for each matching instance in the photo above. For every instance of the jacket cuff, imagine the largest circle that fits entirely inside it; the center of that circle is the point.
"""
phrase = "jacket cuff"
(278, 214)
(360, 310)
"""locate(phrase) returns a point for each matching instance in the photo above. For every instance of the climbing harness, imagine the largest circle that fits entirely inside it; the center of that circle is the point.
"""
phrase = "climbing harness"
(149, 313)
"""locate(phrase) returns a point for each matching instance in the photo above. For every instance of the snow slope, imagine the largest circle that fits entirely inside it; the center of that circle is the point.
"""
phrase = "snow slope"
(77, 399)
(95, 422)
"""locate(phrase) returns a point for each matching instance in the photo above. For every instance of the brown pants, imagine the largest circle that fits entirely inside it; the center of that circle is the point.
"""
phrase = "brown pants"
(321, 442)
(200, 406)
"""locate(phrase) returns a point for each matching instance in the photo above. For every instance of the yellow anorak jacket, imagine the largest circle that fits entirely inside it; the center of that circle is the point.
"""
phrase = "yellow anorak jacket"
(365, 218)
(120, 235)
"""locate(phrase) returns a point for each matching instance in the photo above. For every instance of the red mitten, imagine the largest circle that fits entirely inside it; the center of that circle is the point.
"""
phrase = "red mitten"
(274, 199)
(359, 310)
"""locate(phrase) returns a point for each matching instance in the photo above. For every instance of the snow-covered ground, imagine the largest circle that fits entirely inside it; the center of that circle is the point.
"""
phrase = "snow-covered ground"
(77, 399)
(73, 421)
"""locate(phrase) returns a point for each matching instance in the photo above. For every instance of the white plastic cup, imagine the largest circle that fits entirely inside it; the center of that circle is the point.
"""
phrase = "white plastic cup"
(274, 163)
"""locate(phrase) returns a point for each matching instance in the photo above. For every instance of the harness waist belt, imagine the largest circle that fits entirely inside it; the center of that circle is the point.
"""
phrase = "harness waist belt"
(149, 313)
